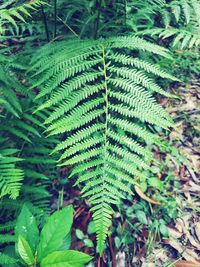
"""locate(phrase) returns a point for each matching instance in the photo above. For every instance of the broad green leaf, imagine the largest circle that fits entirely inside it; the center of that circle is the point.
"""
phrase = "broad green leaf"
(66, 242)
(55, 230)
(26, 226)
(25, 251)
(69, 258)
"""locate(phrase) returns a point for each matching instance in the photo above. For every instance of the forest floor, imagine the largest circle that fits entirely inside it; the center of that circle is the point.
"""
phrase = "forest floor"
(182, 249)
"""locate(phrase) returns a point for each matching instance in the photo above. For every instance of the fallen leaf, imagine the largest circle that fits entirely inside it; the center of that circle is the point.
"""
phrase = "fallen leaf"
(182, 263)
(120, 258)
(186, 253)
(143, 196)
(197, 230)
(174, 233)
(185, 225)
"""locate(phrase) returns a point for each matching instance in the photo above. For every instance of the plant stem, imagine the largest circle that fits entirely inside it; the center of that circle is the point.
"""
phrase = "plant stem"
(106, 110)
(68, 27)
(55, 18)
(45, 23)
(96, 28)
(125, 8)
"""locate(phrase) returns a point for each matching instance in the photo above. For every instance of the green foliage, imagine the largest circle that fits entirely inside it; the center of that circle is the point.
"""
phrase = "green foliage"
(54, 232)
(101, 98)
(9, 86)
(24, 151)
(27, 228)
(45, 249)
(5, 260)
(10, 15)
(66, 258)
(180, 21)
(11, 177)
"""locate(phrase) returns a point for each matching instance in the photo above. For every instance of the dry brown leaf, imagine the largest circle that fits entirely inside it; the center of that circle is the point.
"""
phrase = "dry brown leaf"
(120, 258)
(182, 263)
(174, 233)
(193, 241)
(178, 132)
(193, 159)
(186, 253)
(184, 223)
(197, 230)
(148, 264)
(143, 196)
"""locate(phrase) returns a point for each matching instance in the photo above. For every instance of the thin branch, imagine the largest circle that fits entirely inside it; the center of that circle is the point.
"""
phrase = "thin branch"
(68, 27)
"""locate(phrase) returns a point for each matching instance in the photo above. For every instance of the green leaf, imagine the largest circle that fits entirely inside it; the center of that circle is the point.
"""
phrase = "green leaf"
(117, 242)
(155, 182)
(141, 216)
(26, 226)
(9, 257)
(7, 260)
(66, 242)
(68, 258)
(79, 234)
(55, 230)
(164, 230)
(88, 242)
(25, 251)
(143, 186)
(91, 228)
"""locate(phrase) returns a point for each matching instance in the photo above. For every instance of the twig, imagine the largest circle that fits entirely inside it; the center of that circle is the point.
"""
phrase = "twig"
(68, 26)
(114, 262)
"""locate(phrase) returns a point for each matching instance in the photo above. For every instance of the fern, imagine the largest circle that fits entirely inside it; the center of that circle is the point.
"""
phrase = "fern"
(180, 21)
(11, 177)
(9, 86)
(11, 15)
(183, 38)
(5, 259)
(102, 102)
(35, 150)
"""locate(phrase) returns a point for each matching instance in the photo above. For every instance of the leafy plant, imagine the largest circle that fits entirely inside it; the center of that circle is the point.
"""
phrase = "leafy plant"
(48, 248)
(100, 97)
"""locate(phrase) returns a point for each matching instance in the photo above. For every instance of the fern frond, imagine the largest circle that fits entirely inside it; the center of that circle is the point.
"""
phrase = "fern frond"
(9, 15)
(6, 238)
(11, 177)
(9, 86)
(181, 23)
(102, 108)
(183, 38)
(5, 259)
